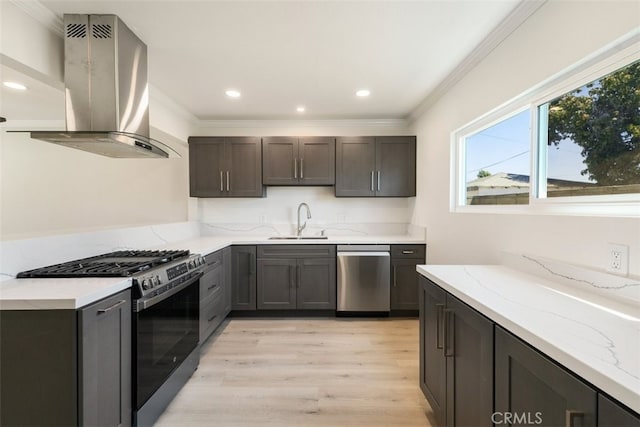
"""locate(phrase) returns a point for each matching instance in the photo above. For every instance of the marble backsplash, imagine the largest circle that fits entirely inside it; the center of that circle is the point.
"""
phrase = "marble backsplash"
(26, 254)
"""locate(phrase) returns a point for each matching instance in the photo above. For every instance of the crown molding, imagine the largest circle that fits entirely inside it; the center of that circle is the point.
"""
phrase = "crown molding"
(42, 14)
(268, 123)
(508, 25)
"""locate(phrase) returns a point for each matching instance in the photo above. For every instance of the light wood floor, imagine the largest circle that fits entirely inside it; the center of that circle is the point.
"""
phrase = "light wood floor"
(305, 372)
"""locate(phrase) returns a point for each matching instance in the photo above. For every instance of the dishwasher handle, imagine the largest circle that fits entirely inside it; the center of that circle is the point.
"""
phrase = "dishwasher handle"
(377, 254)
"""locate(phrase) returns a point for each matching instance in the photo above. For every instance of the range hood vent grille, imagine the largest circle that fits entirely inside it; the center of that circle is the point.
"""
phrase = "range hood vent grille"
(101, 31)
(78, 31)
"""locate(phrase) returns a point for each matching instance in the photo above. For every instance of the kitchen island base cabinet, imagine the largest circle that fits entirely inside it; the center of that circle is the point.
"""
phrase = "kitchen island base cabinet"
(529, 383)
(67, 367)
(456, 359)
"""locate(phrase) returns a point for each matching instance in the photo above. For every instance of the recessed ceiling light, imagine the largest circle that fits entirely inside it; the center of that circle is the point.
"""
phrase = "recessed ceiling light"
(232, 93)
(363, 92)
(300, 109)
(14, 85)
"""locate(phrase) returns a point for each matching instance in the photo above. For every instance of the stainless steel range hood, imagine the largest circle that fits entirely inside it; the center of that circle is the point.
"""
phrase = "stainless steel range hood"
(106, 90)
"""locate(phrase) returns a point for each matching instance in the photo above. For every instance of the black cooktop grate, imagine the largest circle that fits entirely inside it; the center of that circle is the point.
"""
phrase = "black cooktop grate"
(114, 264)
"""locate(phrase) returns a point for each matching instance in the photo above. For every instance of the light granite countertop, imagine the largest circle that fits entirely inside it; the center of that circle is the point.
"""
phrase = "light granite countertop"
(588, 322)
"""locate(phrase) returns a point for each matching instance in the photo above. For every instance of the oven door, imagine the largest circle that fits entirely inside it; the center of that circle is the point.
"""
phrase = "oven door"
(165, 333)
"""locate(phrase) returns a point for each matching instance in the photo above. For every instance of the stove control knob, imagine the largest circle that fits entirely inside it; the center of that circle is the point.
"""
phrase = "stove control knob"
(201, 260)
(146, 284)
(155, 281)
(158, 280)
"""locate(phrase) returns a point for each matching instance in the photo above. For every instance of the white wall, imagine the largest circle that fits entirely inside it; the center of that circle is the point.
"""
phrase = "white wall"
(559, 34)
(280, 205)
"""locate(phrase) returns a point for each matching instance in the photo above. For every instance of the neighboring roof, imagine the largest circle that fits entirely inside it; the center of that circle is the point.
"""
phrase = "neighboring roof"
(513, 180)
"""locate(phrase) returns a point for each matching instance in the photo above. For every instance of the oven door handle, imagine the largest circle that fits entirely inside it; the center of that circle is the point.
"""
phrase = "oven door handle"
(143, 304)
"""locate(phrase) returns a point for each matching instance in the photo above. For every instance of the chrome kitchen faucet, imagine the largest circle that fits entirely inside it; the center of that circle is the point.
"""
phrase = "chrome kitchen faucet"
(300, 228)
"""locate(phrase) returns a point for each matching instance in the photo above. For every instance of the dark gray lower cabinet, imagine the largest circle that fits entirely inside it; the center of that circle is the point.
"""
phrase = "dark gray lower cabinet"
(243, 266)
(611, 414)
(404, 277)
(212, 294)
(530, 385)
(296, 277)
(456, 359)
(67, 367)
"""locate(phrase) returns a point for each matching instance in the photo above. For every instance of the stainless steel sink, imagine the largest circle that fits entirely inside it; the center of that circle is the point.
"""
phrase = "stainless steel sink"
(298, 238)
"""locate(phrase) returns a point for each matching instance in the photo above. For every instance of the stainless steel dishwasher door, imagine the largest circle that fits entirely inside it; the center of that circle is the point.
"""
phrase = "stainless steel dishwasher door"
(364, 278)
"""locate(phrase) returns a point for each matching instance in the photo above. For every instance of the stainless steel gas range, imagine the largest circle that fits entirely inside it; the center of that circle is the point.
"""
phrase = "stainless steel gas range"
(165, 318)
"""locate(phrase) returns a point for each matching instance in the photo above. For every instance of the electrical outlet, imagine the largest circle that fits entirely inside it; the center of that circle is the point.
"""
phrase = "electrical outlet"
(618, 259)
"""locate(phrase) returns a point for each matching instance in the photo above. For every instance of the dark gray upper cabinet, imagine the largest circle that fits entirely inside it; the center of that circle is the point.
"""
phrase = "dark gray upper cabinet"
(67, 367)
(404, 277)
(527, 382)
(225, 167)
(299, 277)
(381, 166)
(298, 160)
(456, 359)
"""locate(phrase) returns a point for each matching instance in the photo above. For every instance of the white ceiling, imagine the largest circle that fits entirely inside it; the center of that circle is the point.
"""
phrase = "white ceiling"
(283, 54)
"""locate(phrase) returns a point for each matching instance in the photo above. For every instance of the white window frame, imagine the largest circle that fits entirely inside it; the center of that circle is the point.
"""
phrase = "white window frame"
(612, 57)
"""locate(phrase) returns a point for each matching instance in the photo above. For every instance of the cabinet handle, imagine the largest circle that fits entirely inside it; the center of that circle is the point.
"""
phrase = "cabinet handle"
(228, 182)
(106, 310)
(439, 326)
(211, 318)
(251, 265)
(372, 181)
(212, 287)
(301, 168)
(395, 276)
(408, 252)
(378, 180)
(570, 416)
(291, 277)
(221, 182)
(449, 333)
(295, 168)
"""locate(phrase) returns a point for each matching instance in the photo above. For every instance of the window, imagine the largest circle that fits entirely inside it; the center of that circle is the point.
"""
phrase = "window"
(571, 145)
(591, 137)
(497, 162)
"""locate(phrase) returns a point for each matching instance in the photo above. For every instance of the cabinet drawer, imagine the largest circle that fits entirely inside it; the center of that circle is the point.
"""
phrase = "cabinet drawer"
(211, 315)
(408, 251)
(296, 251)
(212, 261)
(211, 283)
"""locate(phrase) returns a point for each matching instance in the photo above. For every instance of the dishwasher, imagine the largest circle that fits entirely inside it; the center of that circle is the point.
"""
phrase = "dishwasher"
(364, 279)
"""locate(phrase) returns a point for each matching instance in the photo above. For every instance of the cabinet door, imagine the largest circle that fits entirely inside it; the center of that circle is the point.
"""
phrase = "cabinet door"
(280, 160)
(228, 285)
(105, 362)
(469, 353)
(433, 366)
(527, 382)
(355, 164)
(276, 287)
(395, 166)
(317, 161)
(611, 414)
(404, 284)
(243, 266)
(243, 177)
(316, 283)
(207, 166)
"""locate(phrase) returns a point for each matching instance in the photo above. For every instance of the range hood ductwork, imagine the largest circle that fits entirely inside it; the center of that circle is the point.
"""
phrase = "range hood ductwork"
(106, 91)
